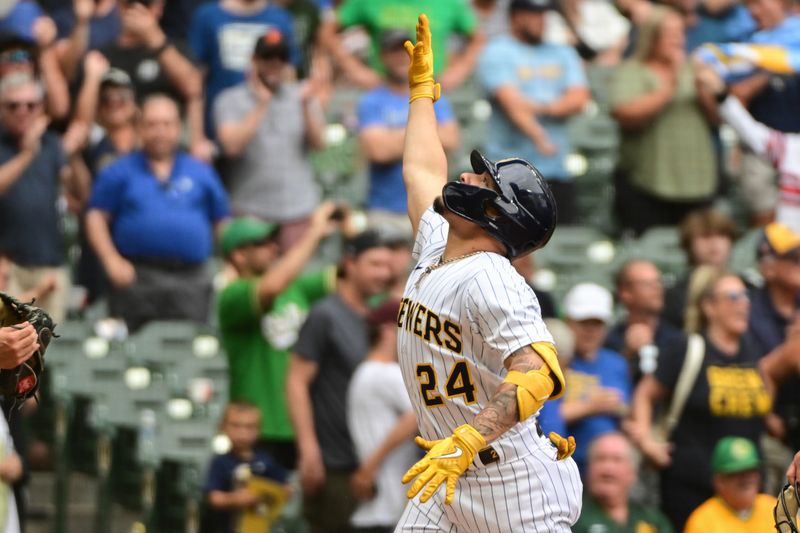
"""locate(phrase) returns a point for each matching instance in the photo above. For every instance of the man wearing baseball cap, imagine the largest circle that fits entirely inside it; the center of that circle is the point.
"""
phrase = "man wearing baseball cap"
(737, 506)
(260, 314)
(330, 345)
(266, 125)
(535, 87)
(598, 380)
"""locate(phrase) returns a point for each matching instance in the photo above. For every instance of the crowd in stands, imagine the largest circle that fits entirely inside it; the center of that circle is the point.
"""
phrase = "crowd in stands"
(177, 138)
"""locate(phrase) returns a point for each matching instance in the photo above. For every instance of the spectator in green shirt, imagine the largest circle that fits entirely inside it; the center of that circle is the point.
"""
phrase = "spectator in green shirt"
(447, 18)
(606, 501)
(260, 314)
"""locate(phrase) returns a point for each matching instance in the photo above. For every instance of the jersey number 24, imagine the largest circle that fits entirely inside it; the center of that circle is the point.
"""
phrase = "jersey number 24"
(459, 383)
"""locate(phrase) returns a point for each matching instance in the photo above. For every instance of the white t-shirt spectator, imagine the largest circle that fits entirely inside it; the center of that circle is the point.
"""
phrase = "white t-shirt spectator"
(376, 399)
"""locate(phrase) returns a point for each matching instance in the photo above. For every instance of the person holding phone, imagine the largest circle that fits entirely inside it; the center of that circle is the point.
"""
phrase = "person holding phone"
(266, 126)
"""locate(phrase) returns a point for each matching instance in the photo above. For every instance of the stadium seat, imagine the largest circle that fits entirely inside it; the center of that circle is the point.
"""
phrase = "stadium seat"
(662, 246)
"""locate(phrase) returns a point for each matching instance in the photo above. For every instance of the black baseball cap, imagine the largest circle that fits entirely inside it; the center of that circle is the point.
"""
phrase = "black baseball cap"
(362, 242)
(393, 39)
(272, 45)
(538, 6)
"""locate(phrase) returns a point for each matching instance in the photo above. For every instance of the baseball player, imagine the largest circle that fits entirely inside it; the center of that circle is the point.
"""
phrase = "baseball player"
(477, 359)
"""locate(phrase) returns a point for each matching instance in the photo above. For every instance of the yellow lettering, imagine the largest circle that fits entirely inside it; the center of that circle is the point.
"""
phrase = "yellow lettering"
(736, 392)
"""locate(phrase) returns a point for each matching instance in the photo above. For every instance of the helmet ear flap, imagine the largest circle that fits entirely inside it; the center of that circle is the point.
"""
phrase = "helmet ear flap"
(490, 209)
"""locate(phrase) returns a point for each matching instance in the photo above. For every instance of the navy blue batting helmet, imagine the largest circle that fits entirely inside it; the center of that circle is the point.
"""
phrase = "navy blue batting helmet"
(522, 215)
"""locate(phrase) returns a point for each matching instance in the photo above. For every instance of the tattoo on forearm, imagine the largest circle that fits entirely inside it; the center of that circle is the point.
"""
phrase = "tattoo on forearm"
(500, 415)
(502, 412)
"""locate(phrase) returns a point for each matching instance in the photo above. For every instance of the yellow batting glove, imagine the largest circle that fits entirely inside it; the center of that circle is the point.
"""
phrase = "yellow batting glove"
(446, 461)
(420, 72)
(565, 446)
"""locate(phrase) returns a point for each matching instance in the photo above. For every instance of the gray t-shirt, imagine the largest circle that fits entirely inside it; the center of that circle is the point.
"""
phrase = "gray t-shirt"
(335, 337)
(273, 178)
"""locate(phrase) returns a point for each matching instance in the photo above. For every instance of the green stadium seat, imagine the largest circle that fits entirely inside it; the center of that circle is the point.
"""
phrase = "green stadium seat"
(743, 256)
(661, 245)
(163, 343)
(570, 248)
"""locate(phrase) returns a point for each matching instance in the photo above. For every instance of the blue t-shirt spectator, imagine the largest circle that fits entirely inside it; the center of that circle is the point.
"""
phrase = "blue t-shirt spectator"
(29, 215)
(103, 30)
(732, 25)
(20, 20)
(222, 476)
(608, 370)
(778, 105)
(384, 108)
(224, 42)
(550, 418)
(150, 219)
(541, 73)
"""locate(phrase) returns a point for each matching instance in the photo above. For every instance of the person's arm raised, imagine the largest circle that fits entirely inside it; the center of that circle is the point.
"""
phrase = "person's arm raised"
(424, 160)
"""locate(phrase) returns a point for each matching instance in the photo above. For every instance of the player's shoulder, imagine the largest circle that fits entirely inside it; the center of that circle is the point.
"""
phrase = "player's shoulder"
(495, 278)
(495, 270)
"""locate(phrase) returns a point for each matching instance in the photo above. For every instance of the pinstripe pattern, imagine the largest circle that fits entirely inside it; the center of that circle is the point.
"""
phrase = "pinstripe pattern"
(497, 313)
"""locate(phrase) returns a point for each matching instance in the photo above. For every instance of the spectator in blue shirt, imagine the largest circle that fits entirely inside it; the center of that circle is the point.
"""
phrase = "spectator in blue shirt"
(382, 117)
(222, 36)
(598, 380)
(25, 19)
(728, 22)
(229, 474)
(151, 220)
(534, 87)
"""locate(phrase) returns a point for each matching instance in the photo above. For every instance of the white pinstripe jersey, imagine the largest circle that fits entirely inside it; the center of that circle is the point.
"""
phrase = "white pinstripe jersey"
(457, 324)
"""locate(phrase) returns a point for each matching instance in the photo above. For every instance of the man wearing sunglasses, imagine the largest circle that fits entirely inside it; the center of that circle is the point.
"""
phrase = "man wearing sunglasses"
(32, 172)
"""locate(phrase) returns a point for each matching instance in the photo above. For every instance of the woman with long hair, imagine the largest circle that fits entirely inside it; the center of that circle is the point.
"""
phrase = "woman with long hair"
(667, 164)
(726, 397)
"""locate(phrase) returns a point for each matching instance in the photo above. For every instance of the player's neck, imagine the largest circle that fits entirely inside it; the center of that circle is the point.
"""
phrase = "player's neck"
(457, 246)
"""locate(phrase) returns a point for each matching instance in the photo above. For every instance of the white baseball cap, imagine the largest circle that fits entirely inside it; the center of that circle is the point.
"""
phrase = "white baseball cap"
(588, 300)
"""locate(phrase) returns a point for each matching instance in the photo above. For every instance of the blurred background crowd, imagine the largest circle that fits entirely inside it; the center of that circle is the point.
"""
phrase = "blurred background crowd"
(237, 164)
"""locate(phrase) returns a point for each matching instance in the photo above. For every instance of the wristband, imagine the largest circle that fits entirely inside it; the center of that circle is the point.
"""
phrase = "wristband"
(160, 50)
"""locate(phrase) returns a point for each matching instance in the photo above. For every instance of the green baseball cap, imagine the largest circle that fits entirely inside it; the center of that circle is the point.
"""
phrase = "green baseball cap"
(243, 231)
(734, 454)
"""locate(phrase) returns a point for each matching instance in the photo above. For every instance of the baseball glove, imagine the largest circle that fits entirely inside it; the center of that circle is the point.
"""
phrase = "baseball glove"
(785, 512)
(20, 383)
